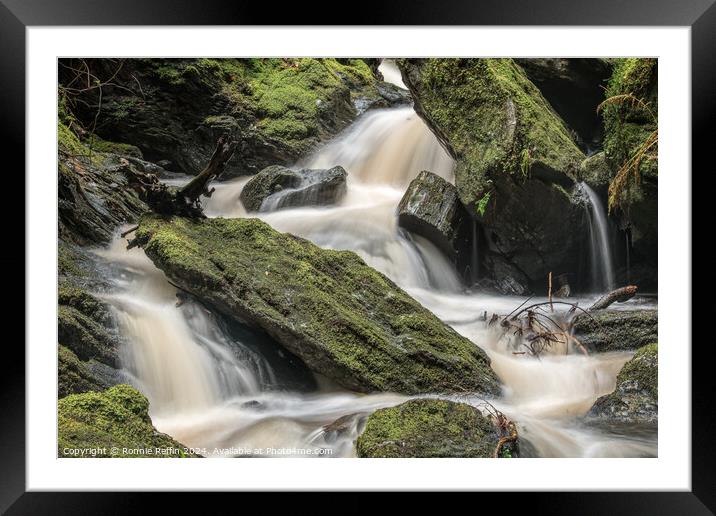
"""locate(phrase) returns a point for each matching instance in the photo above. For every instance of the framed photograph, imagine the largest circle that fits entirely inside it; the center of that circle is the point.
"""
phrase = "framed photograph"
(429, 250)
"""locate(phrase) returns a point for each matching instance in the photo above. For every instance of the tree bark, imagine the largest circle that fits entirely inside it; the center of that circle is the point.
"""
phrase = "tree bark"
(198, 186)
(615, 296)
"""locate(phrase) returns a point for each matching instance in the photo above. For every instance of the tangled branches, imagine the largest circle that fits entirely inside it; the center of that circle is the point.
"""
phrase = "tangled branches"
(505, 427)
(537, 329)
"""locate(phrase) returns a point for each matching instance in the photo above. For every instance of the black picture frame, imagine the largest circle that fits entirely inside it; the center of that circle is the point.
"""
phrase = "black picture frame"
(699, 15)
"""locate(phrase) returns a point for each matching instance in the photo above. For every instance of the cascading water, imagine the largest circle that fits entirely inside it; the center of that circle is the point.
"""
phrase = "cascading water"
(211, 391)
(602, 269)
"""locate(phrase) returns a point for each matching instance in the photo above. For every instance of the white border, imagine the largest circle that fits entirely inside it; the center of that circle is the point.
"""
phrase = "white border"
(671, 470)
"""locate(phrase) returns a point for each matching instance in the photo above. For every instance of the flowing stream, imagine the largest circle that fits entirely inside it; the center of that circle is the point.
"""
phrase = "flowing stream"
(601, 265)
(214, 387)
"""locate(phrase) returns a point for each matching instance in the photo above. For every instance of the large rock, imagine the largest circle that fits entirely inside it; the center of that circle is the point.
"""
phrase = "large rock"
(113, 423)
(94, 192)
(342, 318)
(636, 397)
(616, 330)
(175, 109)
(432, 209)
(516, 161)
(278, 187)
(430, 428)
(574, 87)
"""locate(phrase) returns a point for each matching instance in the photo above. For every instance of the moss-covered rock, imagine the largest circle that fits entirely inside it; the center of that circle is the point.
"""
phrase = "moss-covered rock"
(279, 109)
(628, 123)
(596, 170)
(516, 161)
(113, 423)
(616, 330)
(342, 318)
(630, 120)
(636, 397)
(494, 121)
(430, 428)
(278, 187)
(73, 376)
(94, 191)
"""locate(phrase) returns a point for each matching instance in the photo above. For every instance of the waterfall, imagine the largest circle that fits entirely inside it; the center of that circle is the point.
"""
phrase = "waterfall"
(207, 389)
(601, 266)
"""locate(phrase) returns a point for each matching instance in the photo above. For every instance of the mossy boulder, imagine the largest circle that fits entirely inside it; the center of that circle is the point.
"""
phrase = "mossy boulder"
(112, 423)
(278, 187)
(94, 191)
(516, 161)
(636, 397)
(596, 171)
(430, 428)
(341, 317)
(73, 375)
(431, 208)
(616, 330)
(175, 109)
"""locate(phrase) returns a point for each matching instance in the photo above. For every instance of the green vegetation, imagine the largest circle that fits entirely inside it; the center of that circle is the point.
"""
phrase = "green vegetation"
(636, 396)
(630, 114)
(344, 319)
(495, 120)
(429, 428)
(113, 423)
(73, 376)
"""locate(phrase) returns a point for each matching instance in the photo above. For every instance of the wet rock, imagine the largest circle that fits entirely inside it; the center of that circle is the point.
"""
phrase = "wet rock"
(109, 422)
(516, 160)
(503, 278)
(432, 209)
(94, 192)
(636, 397)
(342, 426)
(616, 330)
(278, 187)
(430, 428)
(345, 320)
(73, 375)
(596, 171)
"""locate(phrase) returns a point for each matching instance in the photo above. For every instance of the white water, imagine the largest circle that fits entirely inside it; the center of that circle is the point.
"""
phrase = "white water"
(601, 264)
(210, 391)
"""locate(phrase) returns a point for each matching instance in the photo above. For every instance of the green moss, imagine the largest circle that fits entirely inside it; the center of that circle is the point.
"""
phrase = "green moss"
(68, 142)
(85, 336)
(428, 428)
(99, 145)
(73, 376)
(636, 396)
(628, 124)
(343, 318)
(110, 422)
(495, 120)
(617, 330)
(642, 369)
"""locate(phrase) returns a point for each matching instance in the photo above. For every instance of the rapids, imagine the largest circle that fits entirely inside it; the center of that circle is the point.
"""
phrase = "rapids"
(221, 392)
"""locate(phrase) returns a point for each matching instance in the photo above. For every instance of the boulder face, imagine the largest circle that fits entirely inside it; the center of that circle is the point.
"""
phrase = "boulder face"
(636, 397)
(345, 320)
(175, 109)
(114, 422)
(278, 187)
(431, 208)
(430, 428)
(616, 330)
(516, 161)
